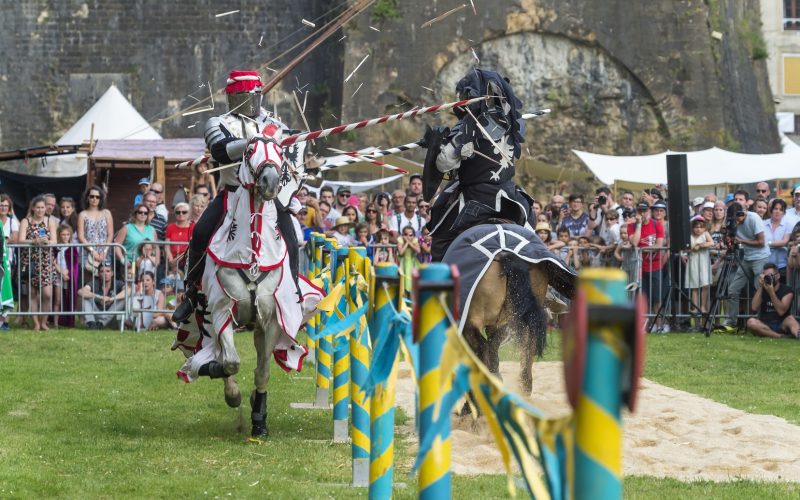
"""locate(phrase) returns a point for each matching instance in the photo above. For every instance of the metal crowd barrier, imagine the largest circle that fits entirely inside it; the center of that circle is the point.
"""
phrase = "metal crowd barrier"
(677, 300)
(143, 309)
(30, 284)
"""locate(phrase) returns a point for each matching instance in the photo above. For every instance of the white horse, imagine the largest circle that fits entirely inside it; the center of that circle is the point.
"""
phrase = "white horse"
(247, 281)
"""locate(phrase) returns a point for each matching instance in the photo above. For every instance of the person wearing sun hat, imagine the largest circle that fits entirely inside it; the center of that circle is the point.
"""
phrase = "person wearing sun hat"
(697, 204)
(341, 231)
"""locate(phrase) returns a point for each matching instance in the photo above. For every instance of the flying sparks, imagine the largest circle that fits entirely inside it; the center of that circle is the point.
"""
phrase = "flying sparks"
(354, 71)
(446, 14)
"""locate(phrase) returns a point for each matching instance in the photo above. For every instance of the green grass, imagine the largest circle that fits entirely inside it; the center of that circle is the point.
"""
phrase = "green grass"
(100, 414)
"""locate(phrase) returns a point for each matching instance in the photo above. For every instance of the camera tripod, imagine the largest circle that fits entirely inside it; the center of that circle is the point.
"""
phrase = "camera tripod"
(730, 263)
(674, 290)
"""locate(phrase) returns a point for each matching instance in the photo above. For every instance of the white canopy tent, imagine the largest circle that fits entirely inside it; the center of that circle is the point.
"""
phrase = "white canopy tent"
(113, 117)
(710, 167)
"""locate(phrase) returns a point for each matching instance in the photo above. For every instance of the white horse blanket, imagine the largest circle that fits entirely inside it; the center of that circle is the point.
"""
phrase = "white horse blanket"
(256, 246)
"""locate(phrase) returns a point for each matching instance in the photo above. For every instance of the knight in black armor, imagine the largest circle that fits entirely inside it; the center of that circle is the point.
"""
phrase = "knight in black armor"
(478, 155)
(226, 137)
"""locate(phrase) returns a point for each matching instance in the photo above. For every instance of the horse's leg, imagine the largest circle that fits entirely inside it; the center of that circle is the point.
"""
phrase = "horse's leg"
(533, 340)
(265, 337)
(491, 349)
(484, 311)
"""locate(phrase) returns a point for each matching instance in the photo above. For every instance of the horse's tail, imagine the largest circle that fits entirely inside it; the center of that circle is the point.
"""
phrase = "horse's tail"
(527, 315)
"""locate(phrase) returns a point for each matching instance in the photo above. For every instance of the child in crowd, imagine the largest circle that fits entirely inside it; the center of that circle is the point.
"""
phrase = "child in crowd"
(425, 241)
(68, 261)
(544, 234)
(698, 264)
(382, 248)
(588, 251)
(407, 250)
(144, 186)
(146, 261)
(564, 251)
(341, 231)
(362, 238)
(625, 254)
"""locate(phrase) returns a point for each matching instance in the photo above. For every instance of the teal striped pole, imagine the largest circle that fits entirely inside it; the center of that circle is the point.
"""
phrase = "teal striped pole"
(324, 347)
(311, 325)
(381, 453)
(598, 424)
(341, 357)
(431, 328)
(359, 370)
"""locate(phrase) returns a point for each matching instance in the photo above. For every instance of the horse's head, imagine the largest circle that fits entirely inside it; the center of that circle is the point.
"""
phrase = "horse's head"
(263, 162)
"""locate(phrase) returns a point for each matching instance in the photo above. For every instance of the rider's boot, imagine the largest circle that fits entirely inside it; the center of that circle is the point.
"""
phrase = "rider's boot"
(185, 309)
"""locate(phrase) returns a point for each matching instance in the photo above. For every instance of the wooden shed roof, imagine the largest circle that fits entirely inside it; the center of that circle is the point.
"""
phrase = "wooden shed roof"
(143, 150)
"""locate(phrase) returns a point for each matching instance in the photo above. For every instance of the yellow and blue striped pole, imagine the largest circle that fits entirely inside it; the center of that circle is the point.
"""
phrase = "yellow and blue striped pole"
(432, 323)
(311, 326)
(381, 455)
(341, 357)
(324, 347)
(598, 425)
(359, 370)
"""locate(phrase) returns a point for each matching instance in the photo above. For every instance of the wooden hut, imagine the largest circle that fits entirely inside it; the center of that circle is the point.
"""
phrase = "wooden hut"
(119, 164)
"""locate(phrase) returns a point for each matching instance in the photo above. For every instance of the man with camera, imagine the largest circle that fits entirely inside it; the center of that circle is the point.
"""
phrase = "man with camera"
(773, 301)
(746, 230)
(603, 202)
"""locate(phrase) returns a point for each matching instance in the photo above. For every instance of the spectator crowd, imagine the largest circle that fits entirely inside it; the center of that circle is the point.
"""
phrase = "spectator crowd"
(584, 231)
(734, 243)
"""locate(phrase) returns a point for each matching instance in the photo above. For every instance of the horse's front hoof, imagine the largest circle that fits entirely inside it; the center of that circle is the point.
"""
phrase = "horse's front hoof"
(260, 431)
(233, 398)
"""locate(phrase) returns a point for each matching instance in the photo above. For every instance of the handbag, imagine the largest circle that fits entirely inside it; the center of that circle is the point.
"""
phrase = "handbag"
(91, 264)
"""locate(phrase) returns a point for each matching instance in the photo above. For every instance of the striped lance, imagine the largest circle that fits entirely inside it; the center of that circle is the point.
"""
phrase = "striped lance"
(308, 136)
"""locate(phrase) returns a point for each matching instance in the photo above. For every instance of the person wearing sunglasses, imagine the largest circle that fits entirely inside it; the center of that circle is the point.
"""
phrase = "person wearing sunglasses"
(95, 226)
(179, 231)
(751, 236)
(134, 233)
(763, 190)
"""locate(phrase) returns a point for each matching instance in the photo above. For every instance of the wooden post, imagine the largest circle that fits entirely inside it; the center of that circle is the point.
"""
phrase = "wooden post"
(160, 176)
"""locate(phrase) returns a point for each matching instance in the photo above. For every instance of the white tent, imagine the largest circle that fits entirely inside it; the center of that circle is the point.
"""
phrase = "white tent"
(113, 117)
(710, 167)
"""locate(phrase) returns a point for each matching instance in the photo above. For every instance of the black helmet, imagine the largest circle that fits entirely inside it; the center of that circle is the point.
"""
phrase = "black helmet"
(503, 107)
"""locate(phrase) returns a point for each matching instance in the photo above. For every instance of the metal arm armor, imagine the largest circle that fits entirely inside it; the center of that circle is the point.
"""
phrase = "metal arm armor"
(224, 146)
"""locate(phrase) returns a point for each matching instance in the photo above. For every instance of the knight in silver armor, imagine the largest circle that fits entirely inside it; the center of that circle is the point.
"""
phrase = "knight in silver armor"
(226, 138)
